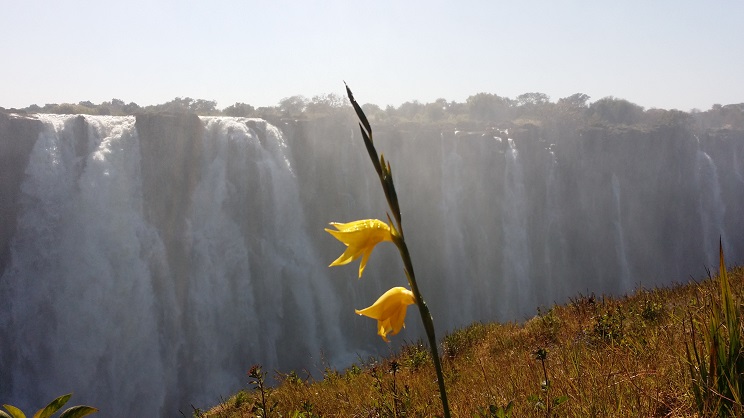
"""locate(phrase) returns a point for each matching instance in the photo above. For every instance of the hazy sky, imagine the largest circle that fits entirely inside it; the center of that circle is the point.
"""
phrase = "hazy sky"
(666, 53)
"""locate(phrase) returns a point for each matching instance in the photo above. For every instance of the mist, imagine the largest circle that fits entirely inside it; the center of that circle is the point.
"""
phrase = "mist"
(148, 261)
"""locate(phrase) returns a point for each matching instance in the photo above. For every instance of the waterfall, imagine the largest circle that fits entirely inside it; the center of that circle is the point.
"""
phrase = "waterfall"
(710, 207)
(553, 247)
(98, 306)
(516, 249)
(146, 263)
(622, 256)
(454, 245)
(82, 305)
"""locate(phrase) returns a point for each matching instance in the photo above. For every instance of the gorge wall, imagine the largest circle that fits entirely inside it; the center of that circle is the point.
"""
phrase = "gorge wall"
(147, 262)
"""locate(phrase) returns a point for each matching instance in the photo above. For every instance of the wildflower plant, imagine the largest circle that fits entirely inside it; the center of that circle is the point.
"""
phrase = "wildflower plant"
(362, 236)
(717, 370)
(258, 380)
(543, 401)
(53, 406)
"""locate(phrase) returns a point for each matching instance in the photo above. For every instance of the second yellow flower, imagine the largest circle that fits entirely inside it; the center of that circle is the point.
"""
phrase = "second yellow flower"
(390, 311)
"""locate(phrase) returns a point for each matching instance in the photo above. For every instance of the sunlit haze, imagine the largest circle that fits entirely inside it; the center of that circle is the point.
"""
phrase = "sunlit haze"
(665, 54)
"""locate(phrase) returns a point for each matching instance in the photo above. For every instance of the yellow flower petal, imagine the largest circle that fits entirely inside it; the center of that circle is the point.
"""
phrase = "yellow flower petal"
(360, 238)
(390, 311)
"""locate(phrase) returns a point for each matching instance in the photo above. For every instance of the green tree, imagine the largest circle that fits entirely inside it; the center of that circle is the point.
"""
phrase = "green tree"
(487, 107)
(616, 111)
(177, 105)
(532, 99)
(204, 107)
(374, 112)
(533, 105)
(436, 111)
(575, 101)
(410, 110)
(570, 111)
(325, 104)
(131, 108)
(292, 107)
(239, 110)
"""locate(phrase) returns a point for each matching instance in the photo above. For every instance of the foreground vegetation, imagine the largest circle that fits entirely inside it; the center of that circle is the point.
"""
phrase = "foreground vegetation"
(49, 410)
(595, 356)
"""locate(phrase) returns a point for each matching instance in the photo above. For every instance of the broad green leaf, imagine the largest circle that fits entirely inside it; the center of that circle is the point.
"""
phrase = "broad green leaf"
(78, 411)
(53, 407)
(14, 412)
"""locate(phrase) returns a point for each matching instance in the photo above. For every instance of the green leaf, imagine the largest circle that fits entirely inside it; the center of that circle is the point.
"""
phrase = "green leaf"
(366, 130)
(509, 407)
(53, 407)
(4, 414)
(559, 400)
(14, 412)
(360, 114)
(78, 411)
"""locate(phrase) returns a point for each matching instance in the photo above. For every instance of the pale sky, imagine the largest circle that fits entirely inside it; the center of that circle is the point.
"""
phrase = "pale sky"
(667, 54)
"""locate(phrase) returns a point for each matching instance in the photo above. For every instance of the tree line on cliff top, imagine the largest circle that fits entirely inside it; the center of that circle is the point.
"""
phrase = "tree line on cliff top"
(479, 111)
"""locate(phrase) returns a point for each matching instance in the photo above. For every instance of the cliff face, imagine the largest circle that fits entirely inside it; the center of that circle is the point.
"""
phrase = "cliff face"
(605, 206)
(171, 165)
(17, 138)
(194, 247)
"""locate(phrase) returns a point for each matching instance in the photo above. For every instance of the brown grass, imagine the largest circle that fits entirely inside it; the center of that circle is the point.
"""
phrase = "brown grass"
(611, 357)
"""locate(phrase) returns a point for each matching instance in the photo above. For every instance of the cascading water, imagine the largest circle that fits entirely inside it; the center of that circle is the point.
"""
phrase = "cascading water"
(553, 246)
(516, 264)
(622, 255)
(455, 244)
(712, 208)
(82, 307)
(95, 293)
(148, 262)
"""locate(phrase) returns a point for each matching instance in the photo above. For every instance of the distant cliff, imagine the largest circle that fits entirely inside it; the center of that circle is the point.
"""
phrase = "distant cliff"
(148, 261)
(17, 138)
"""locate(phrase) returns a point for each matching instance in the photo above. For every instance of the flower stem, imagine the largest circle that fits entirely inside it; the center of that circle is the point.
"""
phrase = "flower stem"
(386, 180)
(425, 317)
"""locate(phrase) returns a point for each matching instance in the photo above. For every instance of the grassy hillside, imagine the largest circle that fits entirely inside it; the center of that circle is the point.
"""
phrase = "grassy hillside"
(602, 356)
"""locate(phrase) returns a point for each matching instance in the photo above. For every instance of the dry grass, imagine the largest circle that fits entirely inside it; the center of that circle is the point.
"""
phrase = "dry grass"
(610, 357)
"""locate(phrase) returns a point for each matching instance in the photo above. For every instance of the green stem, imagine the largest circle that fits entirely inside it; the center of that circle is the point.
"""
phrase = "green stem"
(386, 180)
(425, 316)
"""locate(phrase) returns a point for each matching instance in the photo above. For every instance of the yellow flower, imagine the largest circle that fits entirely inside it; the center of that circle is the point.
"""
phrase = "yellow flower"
(390, 311)
(360, 237)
